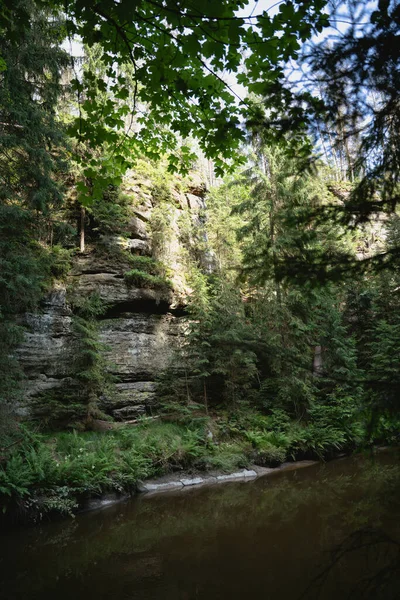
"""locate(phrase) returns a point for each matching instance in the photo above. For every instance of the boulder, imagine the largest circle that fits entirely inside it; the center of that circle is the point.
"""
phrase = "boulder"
(195, 203)
(139, 247)
(129, 412)
(136, 228)
(142, 213)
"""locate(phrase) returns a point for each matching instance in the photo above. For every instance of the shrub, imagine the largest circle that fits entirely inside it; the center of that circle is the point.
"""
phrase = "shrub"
(60, 261)
(146, 280)
(226, 456)
(49, 473)
(270, 447)
(111, 212)
(146, 263)
(148, 273)
(316, 440)
(168, 446)
(269, 456)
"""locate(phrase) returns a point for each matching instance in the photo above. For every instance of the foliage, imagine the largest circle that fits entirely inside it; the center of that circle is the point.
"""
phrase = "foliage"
(60, 261)
(215, 350)
(89, 307)
(227, 457)
(147, 273)
(30, 162)
(280, 357)
(147, 264)
(270, 451)
(31, 87)
(175, 57)
(146, 280)
(357, 67)
(53, 472)
(90, 368)
(110, 211)
(348, 103)
(161, 231)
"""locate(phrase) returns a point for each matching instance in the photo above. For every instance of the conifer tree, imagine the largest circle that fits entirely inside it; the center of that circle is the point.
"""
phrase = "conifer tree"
(31, 158)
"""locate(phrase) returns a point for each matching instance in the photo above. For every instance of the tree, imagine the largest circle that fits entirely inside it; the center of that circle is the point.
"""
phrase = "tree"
(178, 52)
(280, 233)
(30, 163)
(347, 100)
(360, 76)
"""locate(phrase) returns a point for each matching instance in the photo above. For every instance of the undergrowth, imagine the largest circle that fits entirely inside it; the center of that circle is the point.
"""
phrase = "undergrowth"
(53, 473)
(147, 273)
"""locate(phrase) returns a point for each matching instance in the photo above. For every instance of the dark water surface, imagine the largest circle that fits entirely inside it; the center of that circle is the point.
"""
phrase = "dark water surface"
(329, 531)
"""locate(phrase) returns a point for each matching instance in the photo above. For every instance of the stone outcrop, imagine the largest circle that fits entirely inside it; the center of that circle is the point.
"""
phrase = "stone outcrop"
(172, 482)
(138, 347)
(46, 353)
(140, 327)
(138, 339)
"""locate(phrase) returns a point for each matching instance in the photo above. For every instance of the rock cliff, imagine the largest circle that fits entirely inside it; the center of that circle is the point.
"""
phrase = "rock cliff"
(140, 326)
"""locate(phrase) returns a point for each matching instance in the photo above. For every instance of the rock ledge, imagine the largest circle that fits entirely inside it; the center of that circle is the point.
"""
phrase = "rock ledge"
(174, 483)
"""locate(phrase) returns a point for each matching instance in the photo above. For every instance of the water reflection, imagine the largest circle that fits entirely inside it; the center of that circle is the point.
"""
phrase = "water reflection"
(367, 563)
(325, 532)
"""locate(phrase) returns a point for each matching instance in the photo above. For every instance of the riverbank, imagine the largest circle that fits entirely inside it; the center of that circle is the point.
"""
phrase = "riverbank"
(186, 480)
(179, 482)
(62, 473)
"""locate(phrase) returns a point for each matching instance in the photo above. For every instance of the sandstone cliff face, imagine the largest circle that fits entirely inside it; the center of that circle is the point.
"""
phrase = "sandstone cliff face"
(139, 329)
(139, 346)
(45, 354)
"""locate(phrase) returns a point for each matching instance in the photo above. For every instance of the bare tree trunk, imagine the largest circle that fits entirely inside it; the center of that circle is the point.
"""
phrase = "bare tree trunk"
(323, 143)
(82, 228)
(205, 396)
(331, 144)
(317, 361)
(187, 387)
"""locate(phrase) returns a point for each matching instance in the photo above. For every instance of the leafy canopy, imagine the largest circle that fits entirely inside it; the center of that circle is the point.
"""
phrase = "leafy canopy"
(179, 54)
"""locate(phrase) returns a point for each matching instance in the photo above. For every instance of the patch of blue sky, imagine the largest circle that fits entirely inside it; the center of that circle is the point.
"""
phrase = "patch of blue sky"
(342, 16)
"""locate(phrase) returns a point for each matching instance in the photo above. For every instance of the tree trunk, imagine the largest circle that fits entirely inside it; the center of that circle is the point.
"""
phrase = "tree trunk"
(317, 361)
(205, 396)
(82, 228)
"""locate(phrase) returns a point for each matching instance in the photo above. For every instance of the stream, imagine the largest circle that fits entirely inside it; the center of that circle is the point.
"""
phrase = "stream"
(324, 532)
